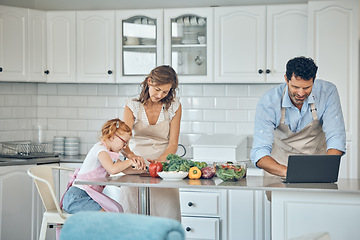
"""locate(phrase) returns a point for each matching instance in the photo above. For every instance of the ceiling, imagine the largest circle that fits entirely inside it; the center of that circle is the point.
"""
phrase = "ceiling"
(133, 4)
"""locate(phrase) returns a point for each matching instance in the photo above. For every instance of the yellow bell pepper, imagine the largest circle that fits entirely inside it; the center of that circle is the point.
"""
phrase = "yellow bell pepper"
(194, 173)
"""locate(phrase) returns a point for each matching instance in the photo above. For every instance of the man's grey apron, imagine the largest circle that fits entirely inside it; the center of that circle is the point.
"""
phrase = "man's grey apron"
(310, 140)
(149, 142)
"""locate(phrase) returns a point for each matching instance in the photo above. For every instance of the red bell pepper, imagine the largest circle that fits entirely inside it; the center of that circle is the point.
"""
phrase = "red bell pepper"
(154, 168)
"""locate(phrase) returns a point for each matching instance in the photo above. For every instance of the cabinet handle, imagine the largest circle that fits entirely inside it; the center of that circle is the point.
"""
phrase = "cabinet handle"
(260, 71)
(0, 69)
(46, 72)
(190, 204)
(268, 71)
(109, 72)
(188, 229)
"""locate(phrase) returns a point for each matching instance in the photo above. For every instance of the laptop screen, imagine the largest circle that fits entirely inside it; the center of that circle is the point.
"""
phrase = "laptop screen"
(313, 168)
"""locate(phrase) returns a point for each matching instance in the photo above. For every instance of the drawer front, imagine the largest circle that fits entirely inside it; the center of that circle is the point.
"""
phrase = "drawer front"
(200, 203)
(201, 228)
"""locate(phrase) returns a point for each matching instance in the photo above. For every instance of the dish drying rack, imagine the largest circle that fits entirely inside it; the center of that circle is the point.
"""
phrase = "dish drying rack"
(26, 149)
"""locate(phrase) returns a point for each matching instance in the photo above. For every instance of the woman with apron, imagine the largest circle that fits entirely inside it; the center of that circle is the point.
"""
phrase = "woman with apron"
(155, 120)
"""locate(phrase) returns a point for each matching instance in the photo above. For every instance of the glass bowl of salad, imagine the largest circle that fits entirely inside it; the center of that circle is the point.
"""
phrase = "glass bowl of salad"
(230, 171)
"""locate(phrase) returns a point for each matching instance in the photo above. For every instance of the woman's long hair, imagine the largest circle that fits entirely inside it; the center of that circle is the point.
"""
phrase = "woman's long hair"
(159, 76)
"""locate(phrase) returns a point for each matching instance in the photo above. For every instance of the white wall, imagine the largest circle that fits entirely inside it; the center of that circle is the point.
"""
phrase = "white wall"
(81, 109)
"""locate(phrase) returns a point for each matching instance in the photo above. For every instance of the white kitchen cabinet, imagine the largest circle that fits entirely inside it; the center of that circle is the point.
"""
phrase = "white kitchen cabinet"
(13, 44)
(21, 208)
(333, 44)
(249, 215)
(139, 43)
(188, 42)
(37, 64)
(253, 43)
(61, 46)
(95, 34)
(203, 213)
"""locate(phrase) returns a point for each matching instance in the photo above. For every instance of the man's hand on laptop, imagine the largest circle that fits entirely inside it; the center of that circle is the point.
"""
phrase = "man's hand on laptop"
(271, 166)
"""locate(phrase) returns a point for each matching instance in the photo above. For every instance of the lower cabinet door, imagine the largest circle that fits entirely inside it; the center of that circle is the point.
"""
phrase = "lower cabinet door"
(201, 228)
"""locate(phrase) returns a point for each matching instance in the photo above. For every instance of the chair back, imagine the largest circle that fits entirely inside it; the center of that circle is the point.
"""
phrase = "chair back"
(44, 181)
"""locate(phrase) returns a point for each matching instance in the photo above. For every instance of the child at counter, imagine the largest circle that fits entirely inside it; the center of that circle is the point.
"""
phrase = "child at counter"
(102, 160)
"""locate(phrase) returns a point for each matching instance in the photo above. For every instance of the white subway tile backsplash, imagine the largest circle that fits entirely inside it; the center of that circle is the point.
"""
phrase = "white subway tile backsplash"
(47, 89)
(247, 103)
(118, 102)
(18, 88)
(95, 125)
(25, 100)
(42, 101)
(94, 101)
(235, 90)
(203, 102)
(129, 90)
(11, 124)
(225, 103)
(47, 112)
(2, 125)
(67, 113)
(17, 112)
(214, 90)
(67, 89)
(87, 113)
(77, 101)
(107, 90)
(192, 115)
(11, 100)
(259, 90)
(236, 115)
(185, 127)
(191, 90)
(245, 128)
(186, 102)
(5, 88)
(5, 112)
(203, 127)
(87, 90)
(77, 125)
(225, 128)
(82, 109)
(58, 125)
(107, 113)
(214, 115)
(57, 101)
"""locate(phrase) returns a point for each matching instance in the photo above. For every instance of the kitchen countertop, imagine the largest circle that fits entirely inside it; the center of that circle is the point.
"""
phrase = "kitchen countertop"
(48, 160)
(351, 186)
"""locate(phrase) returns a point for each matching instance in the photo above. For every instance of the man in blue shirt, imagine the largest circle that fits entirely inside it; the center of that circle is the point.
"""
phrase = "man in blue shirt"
(300, 116)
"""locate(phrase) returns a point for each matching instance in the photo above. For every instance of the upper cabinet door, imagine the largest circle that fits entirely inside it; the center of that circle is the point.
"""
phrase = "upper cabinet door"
(240, 42)
(139, 43)
(96, 46)
(61, 46)
(37, 45)
(188, 36)
(13, 44)
(287, 37)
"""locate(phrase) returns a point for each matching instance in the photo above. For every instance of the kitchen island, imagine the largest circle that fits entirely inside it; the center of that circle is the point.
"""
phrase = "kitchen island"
(328, 210)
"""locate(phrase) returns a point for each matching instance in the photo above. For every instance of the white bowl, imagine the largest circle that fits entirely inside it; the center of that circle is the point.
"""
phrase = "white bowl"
(173, 175)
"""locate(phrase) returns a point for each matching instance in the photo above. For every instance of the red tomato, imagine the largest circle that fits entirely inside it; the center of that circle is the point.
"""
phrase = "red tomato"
(154, 168)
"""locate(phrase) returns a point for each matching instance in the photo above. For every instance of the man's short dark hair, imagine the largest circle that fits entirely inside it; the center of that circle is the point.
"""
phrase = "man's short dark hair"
(301, 67)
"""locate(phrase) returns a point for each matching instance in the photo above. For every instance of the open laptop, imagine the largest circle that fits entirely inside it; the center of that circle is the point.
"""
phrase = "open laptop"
(313, 168)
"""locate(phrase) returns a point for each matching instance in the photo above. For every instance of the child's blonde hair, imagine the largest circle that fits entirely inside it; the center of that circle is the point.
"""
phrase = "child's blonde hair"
(112, 126)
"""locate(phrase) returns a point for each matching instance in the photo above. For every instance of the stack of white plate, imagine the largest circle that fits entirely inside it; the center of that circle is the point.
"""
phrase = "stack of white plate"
(59, 145)
(190, 38)
(72, 146)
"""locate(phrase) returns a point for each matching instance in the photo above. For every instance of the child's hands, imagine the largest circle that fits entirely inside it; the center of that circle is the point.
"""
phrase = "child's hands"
(138, 163)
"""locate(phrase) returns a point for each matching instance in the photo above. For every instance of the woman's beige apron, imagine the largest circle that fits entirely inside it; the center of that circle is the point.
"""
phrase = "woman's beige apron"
(310, 140)
(149, 142)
